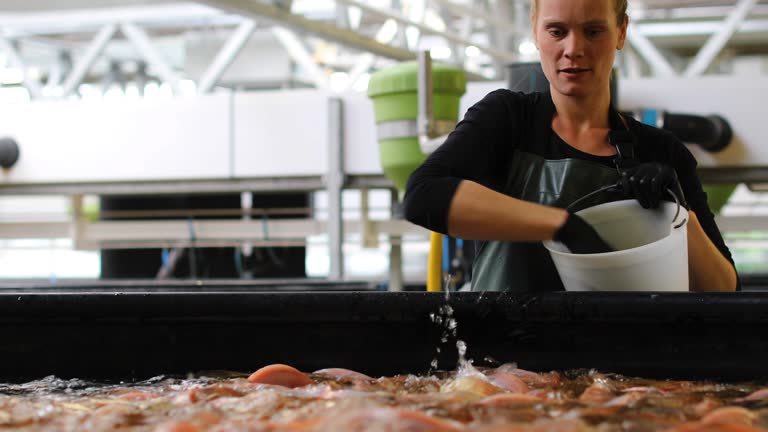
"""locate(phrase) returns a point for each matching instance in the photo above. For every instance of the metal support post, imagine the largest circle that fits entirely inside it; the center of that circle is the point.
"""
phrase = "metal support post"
(92, 53)
(425, 124)
(246, 203)
(334, 182)
(34, 87)
(718, 40)
(78, 225)
(226, 56)
(144, 45)
(369, 235)
(395, 251)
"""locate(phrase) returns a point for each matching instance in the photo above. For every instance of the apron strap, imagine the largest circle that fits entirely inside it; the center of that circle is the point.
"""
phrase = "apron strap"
(621, 137)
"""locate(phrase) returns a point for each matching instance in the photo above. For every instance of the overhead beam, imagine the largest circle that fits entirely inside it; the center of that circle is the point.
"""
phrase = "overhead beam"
(226, 56)
(300, 55)
(425, 29)
(32, 85)
(253, 8)
(144, 45)
(698, 28)
(465, 11)
(650, 53)
(92, 53)
(57, 21)
(38, 5)
(718, 40)
(366, 61)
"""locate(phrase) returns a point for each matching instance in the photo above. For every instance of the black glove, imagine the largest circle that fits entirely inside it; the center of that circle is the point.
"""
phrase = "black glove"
(580, 237)
(648, 183)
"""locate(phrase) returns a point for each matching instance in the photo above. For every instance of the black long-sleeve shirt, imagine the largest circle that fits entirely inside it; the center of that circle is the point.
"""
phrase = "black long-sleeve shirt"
(480, 149)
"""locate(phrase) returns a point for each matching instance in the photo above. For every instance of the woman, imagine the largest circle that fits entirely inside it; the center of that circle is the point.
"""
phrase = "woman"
(516, 161)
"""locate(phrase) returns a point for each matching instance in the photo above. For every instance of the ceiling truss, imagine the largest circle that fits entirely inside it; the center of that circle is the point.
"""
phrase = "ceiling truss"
(481, 36)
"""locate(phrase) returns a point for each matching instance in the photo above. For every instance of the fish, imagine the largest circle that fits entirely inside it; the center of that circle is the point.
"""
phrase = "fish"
(280, 375)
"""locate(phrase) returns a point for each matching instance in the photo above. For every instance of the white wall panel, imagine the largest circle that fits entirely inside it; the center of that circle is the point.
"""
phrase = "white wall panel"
(740, 101)
(475, 92)
(286, 133)
(361, 148)
(82, 141)
(281, 133)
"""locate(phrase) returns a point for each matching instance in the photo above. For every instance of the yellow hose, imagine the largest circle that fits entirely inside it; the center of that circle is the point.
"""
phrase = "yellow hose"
(434, 264)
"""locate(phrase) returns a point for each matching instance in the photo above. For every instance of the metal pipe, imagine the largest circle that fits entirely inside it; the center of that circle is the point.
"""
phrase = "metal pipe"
(425, 125)
(395, 248)
(334, 182)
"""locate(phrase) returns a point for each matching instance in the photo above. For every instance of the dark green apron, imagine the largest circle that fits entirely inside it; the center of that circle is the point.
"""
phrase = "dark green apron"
(527, 266)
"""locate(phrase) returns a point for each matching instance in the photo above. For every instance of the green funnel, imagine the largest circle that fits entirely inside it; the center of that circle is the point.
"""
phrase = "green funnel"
(395, 102)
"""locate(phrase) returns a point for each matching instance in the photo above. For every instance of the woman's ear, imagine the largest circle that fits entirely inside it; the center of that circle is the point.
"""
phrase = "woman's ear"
(622, 33)
(533, 32)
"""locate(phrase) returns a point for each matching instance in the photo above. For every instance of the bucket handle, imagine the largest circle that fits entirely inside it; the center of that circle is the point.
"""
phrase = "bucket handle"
(617, 185)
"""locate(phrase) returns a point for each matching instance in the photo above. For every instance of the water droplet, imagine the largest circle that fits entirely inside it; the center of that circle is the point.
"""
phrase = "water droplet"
(462, 347)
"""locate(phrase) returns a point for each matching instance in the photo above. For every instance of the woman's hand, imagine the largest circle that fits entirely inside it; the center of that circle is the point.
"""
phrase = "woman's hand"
(648, 183)
(580, 237)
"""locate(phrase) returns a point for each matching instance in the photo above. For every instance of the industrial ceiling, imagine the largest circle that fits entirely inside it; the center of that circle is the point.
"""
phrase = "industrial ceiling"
(53, 47)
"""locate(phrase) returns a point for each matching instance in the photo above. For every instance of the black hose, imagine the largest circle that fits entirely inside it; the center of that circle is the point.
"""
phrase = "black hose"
(713, 133)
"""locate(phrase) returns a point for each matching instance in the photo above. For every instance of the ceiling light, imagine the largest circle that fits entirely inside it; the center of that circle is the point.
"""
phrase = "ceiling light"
(441, 53)
(527, 47)
(472, 51)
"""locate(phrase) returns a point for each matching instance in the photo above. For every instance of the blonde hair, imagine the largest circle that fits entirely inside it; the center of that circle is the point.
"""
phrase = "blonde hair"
(619, 5)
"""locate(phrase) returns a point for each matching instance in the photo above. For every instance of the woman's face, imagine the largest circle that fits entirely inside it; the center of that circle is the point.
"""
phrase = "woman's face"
(577, 40)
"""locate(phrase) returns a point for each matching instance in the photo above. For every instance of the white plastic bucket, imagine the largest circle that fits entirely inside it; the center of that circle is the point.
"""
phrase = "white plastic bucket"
(651, 254)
